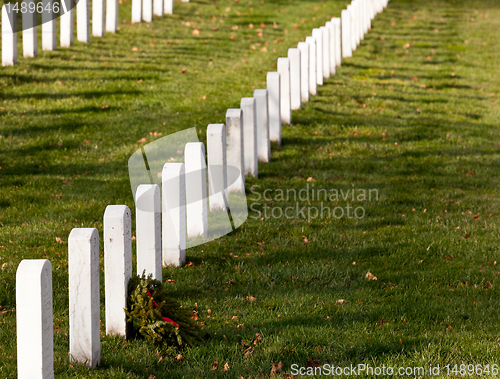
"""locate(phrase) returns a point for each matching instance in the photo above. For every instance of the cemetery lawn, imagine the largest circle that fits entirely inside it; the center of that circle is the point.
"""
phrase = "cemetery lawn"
(413, 115)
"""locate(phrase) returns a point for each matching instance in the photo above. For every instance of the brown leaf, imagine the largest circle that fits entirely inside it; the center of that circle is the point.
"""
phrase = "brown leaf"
(250, 298)
(151, 376)
(370, 276)
(310, 179)
(143, 140)
(258, 338)
(382, 322)
(183, 71)
(190, 264)
(306, 241)
(226, 366)
(195, 32)
(248, 352)
(58, 239)
(135, 49)
(179, 358)
(341, 301)
(488, 285)
(276, 369)
(214, 367)
(4, 265)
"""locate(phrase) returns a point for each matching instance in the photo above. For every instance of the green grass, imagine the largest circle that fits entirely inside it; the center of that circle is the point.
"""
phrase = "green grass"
(414, 115)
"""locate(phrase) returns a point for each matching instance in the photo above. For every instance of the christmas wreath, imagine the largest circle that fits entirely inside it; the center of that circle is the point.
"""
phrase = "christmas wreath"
(157, 317)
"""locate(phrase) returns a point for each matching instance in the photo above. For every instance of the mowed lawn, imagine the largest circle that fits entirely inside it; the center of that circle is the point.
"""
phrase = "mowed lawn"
(413, 117)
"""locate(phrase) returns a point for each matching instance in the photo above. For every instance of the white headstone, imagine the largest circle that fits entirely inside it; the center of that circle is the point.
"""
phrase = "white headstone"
(261, 97)
(83, 23)
(117, 266)
(34, 321)
(346, 34)
(361, 18)
(84, 314)
(285, 106)
(9, 36)
(295, 95)
(67, 23)
(318, 35)
(235, 150)
(313, 66)
(366, 17)
(371, 13)
(217, 167)
(326, 51)
(357, 21)
(173, 194)
(98, 18)
(112, 16)
(331, 44)
(158, 7)
(136, 11)
(30, 40)
(250, 136)
(168, 6)
(352, 25)
(147, 10)
(196, 189)
(338, 43)
(48, 26)
(148, 230)
(304, 71)
(274, 93)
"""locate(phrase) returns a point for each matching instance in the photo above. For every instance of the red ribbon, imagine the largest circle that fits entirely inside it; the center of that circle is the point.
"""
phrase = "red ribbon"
(166, 319)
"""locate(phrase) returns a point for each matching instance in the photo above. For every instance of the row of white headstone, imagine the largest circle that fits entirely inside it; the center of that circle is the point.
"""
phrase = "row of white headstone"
(241, 143)
(104, 18)
(144, 10)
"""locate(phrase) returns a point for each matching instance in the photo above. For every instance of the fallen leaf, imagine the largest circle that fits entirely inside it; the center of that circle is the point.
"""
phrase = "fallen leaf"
(355, 133)
(183, 71)
(310, 179)
(341, 301)
(179, 358)
(248, 352)
(258, 338)
(370, 276)
(190, 264)
(276, 369)
(58, 239)
(4, 265)
(215, 365)
(382, 322)
(226, 366)
(195, 32)
(142, 140)
(488, 285)
(306, 241)
(135, 49)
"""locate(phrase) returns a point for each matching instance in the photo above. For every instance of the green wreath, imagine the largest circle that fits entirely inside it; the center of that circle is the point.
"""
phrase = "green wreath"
(157, 317)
